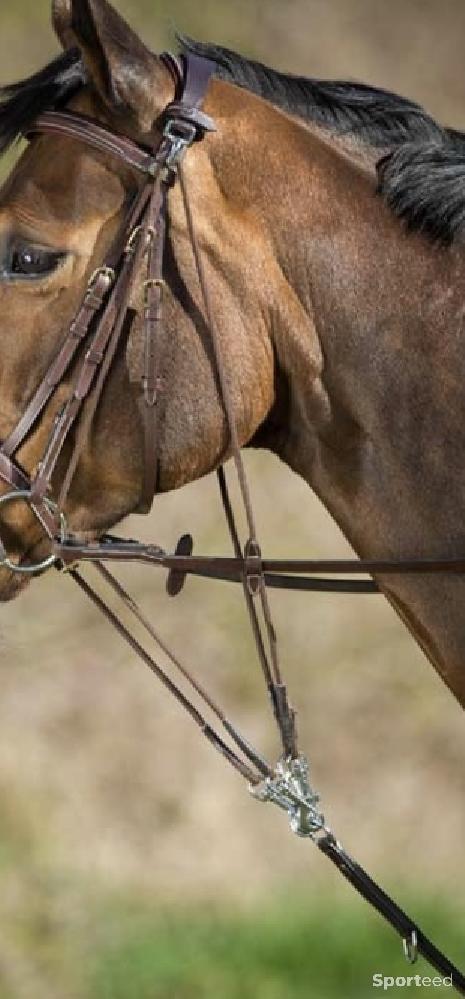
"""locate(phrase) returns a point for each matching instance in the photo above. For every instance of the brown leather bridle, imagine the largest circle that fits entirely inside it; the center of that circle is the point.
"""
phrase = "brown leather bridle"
(95, 332)
(100, 317)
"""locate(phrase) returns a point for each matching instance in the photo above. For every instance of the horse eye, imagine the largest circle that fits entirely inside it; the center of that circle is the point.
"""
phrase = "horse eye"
(31, 261)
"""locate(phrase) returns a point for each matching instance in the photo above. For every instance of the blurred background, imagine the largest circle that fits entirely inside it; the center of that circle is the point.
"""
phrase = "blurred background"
(133, 865)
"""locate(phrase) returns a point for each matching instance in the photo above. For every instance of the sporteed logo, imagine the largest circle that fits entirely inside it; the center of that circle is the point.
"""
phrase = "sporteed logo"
(386, 982)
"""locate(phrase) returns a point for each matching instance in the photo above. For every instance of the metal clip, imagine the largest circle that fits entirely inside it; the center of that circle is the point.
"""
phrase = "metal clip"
(180, 135)
(410, 945)
(291, 790)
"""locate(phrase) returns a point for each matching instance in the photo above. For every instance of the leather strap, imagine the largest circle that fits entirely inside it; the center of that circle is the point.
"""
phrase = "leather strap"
(254, 768)
(83, 129)
(11, 473)
(175, 66)
(93, 301)
(113, 316)
(154, 289)
(236, 569)
(387, 908)
(207, 731)
(197, 75)
(133, 253)
(156, 166)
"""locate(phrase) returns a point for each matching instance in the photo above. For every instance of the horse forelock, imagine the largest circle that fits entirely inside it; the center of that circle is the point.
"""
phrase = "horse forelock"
(49, 88)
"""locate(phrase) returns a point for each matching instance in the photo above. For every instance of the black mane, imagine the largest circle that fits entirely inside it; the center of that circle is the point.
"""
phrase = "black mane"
(421, 178)
(378, 116)
(424, 184)
(50, 88)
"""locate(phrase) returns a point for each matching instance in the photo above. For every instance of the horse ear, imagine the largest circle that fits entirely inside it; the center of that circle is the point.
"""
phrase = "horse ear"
(124, 72)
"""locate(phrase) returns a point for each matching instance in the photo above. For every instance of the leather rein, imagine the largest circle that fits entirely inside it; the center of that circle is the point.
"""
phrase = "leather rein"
(93, 338)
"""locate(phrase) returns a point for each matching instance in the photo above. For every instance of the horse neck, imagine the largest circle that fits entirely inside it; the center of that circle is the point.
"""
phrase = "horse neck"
(370, 350)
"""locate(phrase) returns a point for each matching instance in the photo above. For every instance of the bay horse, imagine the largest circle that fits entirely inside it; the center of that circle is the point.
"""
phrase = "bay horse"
(330, 219)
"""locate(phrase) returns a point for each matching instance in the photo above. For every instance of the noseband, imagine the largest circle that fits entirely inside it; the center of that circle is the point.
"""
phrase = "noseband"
(95, 333)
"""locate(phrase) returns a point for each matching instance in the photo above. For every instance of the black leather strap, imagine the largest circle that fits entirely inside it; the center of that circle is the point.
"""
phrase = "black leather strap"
(388, 909)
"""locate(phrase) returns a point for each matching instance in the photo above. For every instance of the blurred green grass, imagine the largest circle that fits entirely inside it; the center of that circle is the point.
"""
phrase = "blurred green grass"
(66, 937)
(290, 949)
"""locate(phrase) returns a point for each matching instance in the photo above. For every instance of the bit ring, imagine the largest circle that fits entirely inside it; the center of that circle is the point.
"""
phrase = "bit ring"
(46, 563)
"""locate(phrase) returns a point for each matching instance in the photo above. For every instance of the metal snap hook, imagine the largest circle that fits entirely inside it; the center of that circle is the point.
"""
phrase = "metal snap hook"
(47, 563)
(410, 945)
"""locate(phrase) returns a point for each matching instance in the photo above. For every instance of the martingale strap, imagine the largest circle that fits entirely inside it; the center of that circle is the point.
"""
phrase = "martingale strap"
(287, 785)
(97, 327)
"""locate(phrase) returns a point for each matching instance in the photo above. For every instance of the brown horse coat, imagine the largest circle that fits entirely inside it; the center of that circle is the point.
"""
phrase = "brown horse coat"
(342, 332)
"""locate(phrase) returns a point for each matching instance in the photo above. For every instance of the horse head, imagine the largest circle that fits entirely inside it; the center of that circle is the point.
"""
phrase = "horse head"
(59, 212)
(340, 331)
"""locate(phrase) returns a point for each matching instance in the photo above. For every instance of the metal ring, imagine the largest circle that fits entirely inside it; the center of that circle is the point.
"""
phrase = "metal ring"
(47, 563)
(410, 945)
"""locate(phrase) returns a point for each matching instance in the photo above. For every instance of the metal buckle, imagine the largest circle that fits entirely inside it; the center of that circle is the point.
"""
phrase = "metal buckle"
(132, 241)
(134, 236)
(106, 272)
(153, 283)
(180, 135)
(47, 563)
(291, 790)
